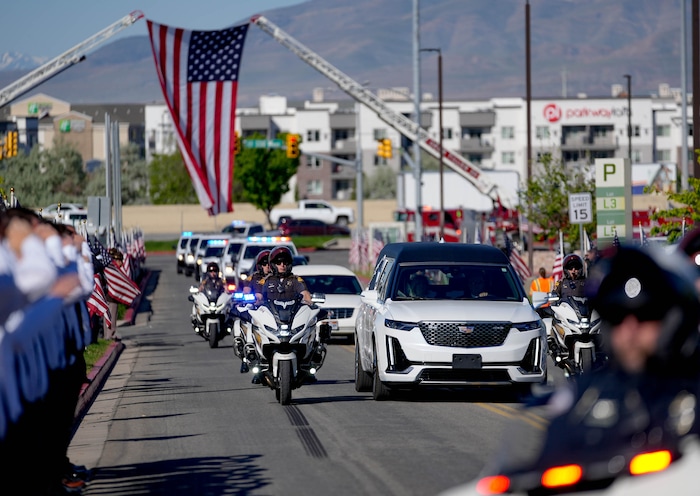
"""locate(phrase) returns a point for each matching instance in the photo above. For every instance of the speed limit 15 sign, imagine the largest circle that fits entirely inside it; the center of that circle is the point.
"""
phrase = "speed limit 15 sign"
(580, 208)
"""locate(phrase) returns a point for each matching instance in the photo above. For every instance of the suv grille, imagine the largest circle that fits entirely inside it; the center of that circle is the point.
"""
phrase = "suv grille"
(465, 334)
(340, 313)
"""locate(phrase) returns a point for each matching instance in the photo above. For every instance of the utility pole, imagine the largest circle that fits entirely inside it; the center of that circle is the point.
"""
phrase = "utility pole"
(683, 162)
(696, 84)
(528, 158)
(629, 117)
(359, 190)
(416, 97)
(442, 162)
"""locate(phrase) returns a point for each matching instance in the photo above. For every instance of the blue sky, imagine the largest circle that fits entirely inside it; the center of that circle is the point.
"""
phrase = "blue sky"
(47, 28)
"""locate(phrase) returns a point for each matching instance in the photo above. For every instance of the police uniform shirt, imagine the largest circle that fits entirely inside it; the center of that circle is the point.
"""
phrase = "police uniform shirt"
(283, 288)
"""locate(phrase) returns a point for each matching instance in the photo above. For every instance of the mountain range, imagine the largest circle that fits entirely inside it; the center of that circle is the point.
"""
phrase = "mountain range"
(588, 44)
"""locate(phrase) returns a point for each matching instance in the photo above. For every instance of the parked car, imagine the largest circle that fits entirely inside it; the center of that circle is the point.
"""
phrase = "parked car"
(342, 289)
(314, 209)
(70, 213)
(311, 227)
(424, 322)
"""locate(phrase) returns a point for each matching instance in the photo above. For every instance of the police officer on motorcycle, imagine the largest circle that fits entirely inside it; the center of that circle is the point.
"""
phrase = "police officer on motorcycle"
(574, 281)
(649, 306)
(211, 278)
(281, 284)
(257, 278)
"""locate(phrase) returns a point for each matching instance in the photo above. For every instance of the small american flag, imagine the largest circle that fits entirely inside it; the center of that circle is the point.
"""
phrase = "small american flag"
(198, 73)
(517, 261)
(377, 246)
(558, 270)
(616, 240)
(97, 304)
(119, 286)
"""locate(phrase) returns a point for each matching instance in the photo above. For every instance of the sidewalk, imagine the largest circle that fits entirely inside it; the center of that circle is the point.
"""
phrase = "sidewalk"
(103, 367)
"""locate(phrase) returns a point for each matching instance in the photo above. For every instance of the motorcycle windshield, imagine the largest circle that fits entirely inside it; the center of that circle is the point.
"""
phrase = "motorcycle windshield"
(212, 290)
(284, 311)
(580, 305)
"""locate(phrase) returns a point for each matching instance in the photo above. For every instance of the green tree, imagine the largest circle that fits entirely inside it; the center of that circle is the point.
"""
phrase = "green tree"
(264, 176)
(545, 200)
(170, 183)
(688, 208)
(43, 177)
(382, 184)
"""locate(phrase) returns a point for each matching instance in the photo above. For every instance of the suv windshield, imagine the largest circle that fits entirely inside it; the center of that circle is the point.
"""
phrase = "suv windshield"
(330, 284)
(455, 282)
(214, 251)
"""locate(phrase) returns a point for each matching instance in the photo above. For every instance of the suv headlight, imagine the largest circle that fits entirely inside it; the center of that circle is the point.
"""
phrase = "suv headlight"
(228, 270)
(180, 257)
(399, 325)
(199, 261)
(528, 326)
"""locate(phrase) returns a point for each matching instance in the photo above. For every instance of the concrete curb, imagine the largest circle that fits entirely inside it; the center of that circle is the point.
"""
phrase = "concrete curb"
(103, 367)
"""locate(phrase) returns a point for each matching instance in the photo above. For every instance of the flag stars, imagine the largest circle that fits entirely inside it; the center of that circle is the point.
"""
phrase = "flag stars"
(211, 54)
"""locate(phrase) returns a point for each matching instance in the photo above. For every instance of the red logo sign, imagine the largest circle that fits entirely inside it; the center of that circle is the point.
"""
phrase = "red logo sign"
(552, 112)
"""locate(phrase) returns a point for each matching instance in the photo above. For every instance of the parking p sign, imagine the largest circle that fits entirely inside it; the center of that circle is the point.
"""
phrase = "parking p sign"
(580, 208)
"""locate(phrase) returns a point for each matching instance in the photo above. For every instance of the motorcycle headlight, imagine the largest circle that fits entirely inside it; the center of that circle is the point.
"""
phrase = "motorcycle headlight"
(270, 329)
(399, 325)
(244, 276)
(572, 322)
(528, 326)
(228, 270)
(298, 329)
(199, 261)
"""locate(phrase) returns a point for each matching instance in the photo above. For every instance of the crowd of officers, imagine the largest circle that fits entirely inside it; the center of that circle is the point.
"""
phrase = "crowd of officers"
(46, 277)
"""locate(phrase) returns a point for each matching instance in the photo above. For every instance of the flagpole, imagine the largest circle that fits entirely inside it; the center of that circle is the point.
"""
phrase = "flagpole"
(561, 243)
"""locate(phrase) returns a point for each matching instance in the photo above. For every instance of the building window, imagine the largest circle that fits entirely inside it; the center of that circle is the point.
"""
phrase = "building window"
(636, 131)
(663, 130)
(636, 156)
(542, 132)
(313, 135)
(663, 155)
(508, 132)
(313, 162)
(508, 157)
(446, 133)
(314, 187)
(379, 134)
(343, 134)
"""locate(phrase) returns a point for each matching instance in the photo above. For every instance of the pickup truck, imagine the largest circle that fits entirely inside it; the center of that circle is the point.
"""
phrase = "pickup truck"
(314, 209)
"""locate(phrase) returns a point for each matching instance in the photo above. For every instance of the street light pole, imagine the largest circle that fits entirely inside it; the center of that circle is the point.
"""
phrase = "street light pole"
(416, 142)
(629, 116)
(442, 163)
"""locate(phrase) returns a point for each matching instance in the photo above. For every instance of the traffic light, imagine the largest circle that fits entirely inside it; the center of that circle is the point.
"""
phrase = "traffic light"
(380, 148)
(237, 145)
(388, 151)
(384, 149)
(12, 138)
(292, 146)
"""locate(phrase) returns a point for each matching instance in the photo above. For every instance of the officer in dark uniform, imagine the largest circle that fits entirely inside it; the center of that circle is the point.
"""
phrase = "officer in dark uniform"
(574, 281)
(282, 287)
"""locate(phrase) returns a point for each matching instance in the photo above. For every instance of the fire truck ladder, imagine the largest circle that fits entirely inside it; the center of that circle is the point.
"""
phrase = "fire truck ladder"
(65, 60)
(397, 121)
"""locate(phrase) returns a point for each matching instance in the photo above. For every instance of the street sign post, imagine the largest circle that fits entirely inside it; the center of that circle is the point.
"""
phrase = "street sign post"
(580, 212)
(263, 143)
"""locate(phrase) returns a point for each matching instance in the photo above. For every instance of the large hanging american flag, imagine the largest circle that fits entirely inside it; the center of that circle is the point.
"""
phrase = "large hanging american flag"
(198, 73)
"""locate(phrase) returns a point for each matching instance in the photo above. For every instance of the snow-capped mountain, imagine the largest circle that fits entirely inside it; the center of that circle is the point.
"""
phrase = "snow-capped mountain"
(18, 61)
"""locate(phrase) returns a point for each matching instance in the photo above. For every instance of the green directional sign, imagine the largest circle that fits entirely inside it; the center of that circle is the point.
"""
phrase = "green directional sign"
(613, 200)
(263, 143)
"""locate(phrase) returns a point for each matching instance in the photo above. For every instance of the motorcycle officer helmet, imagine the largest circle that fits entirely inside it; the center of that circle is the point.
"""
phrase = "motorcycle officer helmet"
(213, 267)
(277, 256)
(572, 261)
(263, 258)
(652, 285)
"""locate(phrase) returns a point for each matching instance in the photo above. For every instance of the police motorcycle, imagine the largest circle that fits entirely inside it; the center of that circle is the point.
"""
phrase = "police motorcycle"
(210, 318)
(286, 349)
(573, 335)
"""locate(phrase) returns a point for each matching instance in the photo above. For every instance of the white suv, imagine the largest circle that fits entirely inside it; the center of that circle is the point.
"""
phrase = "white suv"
(447, 315)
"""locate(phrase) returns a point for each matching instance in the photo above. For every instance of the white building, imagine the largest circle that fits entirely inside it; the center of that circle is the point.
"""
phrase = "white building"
(492, 134)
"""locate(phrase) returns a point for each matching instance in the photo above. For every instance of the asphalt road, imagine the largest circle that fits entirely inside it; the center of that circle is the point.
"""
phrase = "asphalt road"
(177, 418)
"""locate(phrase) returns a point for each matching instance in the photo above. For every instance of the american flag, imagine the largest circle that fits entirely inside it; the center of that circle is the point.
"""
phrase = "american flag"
(377, 246)
(127, 266)
(558, 270)
(97, 304)
(100, 252)
(119, 286)
(616, 240)
(642, 238)
(516, 261)
(198, 73)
